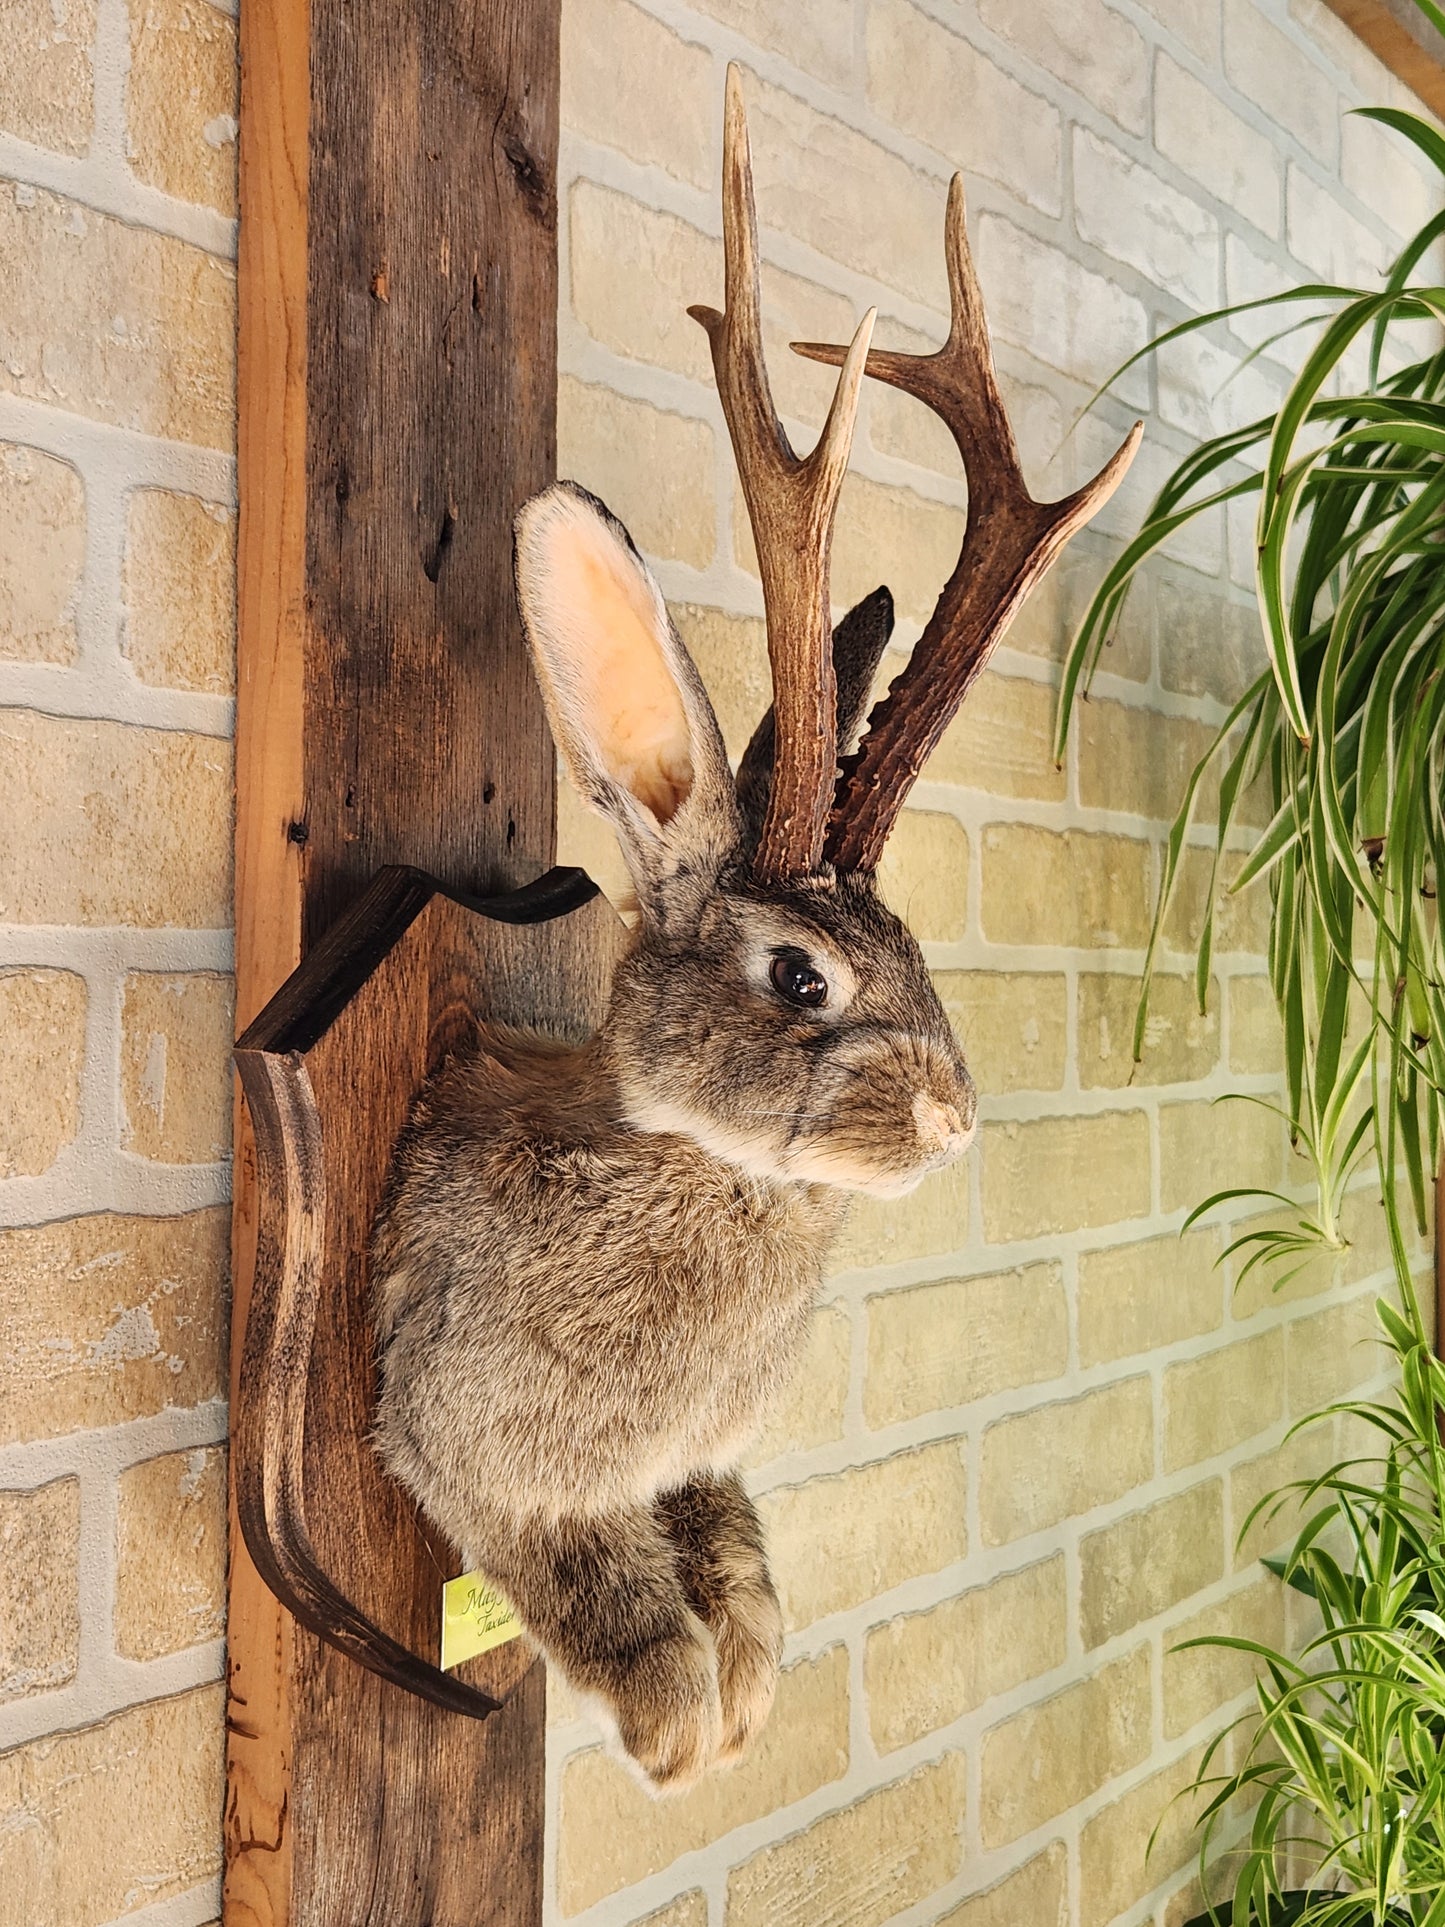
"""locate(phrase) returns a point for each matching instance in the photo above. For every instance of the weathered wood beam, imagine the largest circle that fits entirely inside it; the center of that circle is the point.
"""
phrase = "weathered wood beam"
(398, 297)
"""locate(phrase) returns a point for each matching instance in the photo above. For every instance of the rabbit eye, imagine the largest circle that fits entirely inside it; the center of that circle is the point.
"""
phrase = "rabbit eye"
(798, 980)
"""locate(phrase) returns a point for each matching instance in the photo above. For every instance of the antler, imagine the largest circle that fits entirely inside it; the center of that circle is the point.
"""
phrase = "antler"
(1009, 543)
(791, 504)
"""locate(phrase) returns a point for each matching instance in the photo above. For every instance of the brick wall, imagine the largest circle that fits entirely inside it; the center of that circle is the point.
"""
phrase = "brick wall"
(1030, 1418)
(117, 494)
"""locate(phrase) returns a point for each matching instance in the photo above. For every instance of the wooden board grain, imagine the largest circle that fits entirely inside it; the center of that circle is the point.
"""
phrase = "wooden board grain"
(397, 403)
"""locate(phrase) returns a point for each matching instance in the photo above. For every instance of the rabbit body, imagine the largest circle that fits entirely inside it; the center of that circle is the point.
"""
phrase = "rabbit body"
(630, 1304)
(597, 1260)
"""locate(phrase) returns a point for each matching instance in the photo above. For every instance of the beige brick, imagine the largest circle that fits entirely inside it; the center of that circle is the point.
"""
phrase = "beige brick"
(1181, 1043)
(116, 825)
(1362, 1222)
(690, 1911)
(839, 1541)
(170, 1580)
(1002, 741)
(1137, 761)
(732, 654)
(1210, 646)
(929, 1223)
(1049, 620)
(1058, 1461)
(652, 468)
(918, 72)
(1139, 1297)
(1256, 1031)
(818, 38)
(180, 590)
(42, 1049)
(1204, 390)
(1199, 133)
(810, 1411)
(1276, 73)
(1329, 240)
(1248, 275)
(1013, 1028)
(1206, 1147)
(630, 83)
(928, 1669)
(924, 875)
(1219, 1400)
(1332, 1351)
(1197, 544)
(1198, 1682)
(175, 1066)
(937, 1346)
(897, 426)
(1148, 1561)
(1060, 1174)
(1087, 45)
(1036, 1896)
(114, 1816)
(114, 321)
(1116, 1866)
(1051, 1756)
(182, 98)
(859, 1867)
(614, 1834)
(1064, 887)
(42, 554)
(1241, 923)
(882, 534)
(1122, 206)
(39, 1588)
(1196, 22)
(846, 196)
(635, 272)
(109, 1318)
(1304, 1456)
(589, 841)
(1064, 315)
(47, 82)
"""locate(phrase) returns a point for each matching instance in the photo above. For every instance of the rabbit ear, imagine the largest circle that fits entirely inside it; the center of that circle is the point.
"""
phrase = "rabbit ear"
(624, 699)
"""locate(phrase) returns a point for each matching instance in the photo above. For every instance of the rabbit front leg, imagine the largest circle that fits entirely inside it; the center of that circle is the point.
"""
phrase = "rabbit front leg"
(603, 1597)
(724, 1570)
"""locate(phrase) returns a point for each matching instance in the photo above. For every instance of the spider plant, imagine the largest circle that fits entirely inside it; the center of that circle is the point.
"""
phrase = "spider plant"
(1349, 1732)
(1344, 727)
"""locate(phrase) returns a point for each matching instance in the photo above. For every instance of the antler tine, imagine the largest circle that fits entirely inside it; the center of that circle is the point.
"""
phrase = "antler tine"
(791, 504)
(1009, 543)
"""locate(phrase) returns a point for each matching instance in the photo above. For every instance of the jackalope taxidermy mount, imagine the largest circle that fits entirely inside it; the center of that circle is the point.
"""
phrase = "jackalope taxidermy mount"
(598, 1261)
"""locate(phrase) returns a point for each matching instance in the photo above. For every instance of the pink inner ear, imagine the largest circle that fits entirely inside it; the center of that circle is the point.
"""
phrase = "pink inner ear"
(618, 675)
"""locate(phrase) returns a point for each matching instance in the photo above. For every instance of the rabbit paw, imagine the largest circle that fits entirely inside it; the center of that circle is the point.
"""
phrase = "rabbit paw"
(749, 1647)
(668, 1713)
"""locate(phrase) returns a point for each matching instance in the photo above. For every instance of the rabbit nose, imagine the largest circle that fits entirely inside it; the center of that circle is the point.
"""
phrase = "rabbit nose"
(940, 1127)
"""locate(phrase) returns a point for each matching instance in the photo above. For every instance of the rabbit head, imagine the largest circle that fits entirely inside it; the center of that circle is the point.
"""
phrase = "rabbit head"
(773, 1008)
(788, 1026)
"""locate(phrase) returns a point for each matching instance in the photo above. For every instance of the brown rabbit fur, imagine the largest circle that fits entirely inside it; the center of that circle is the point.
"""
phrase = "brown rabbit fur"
(598, 1261)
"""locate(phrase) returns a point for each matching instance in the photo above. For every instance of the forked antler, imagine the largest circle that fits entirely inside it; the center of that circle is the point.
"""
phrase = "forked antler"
(1009, 542)
(791, 504)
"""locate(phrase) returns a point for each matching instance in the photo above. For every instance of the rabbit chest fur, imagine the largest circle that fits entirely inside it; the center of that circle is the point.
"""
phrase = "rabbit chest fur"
(622, 1314)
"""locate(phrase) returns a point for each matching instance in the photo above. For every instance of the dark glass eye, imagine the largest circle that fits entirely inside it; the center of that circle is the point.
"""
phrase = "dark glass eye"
(797, 979)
